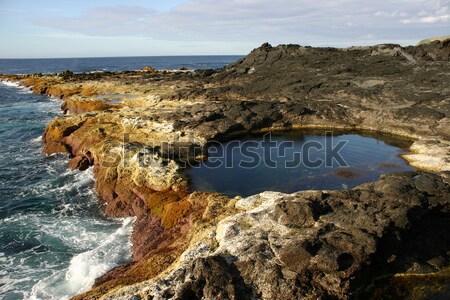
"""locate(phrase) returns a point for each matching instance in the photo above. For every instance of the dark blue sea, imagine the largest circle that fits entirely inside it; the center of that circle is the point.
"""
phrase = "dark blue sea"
(30, 66)
(54, 238)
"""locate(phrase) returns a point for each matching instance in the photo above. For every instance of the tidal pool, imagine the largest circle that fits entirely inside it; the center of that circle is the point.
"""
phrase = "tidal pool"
(294, 161)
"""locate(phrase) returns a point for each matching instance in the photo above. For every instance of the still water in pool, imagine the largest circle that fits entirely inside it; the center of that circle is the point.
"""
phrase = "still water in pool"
(293, 161)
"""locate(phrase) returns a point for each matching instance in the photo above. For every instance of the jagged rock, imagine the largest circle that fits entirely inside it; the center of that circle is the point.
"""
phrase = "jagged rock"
(79, 162)
(316, 243)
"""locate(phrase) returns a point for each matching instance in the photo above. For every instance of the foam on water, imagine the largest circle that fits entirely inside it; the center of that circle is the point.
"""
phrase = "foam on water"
(69, 228)
(54, 238)
(9, 83)
(85, 267)
(15, 84)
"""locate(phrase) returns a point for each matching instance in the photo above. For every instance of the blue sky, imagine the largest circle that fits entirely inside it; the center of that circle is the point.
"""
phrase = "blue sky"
(81, 28)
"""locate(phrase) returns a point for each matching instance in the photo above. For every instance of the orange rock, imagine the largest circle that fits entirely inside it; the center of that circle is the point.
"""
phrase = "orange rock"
(84, 138)
(54, 134)
(79, 162)
(78, 106)
(105, 182)
(174, 212)
(157, 201)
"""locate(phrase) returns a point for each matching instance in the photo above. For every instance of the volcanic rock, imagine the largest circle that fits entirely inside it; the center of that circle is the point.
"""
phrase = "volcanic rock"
(307, 245)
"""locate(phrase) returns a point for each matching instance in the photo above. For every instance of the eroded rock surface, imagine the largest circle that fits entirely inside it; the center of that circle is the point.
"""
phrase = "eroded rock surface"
(270, 246)
(315, 243)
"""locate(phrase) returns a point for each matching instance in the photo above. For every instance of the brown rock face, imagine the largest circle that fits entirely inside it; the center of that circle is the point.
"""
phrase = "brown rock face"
(79, 162)
(155, 246)
(78, 106)
(54, 134)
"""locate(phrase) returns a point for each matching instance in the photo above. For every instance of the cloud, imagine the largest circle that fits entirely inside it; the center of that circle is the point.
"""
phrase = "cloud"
(296, 21)
(428, 19)
(438, 12)
(107, 21)
(390, 14)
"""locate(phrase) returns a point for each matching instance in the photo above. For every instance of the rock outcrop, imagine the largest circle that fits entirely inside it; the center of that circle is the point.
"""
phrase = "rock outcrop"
(308, 245)
(314, 244)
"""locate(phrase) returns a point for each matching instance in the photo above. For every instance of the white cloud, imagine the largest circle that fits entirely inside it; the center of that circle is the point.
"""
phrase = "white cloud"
(429, 19)
(390, 14)
(437, 12)
(283, 21)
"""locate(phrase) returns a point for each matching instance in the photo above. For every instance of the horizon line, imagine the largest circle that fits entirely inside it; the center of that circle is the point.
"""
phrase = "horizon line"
(124, 56)
(376, 43)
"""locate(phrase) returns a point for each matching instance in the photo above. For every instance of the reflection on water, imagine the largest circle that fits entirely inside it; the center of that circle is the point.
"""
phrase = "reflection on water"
(294, 161)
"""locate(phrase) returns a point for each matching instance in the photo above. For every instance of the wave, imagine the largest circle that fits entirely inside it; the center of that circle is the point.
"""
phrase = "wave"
(85, 267)
(36, 140)
(10, 83)
(58, 252)
(16, 84)
(94, 71)
(54, 237)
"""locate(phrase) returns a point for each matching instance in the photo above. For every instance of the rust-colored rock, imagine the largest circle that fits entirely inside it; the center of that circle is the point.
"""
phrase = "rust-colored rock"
(78, 105)
(54, 134)
(79, 162)
(155, 246)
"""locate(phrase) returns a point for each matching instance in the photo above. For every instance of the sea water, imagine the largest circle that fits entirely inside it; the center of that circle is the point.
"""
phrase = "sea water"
(29, 66)
(54, 239)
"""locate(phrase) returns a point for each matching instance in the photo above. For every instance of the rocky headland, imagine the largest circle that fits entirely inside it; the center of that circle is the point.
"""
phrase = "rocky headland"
(382, 240)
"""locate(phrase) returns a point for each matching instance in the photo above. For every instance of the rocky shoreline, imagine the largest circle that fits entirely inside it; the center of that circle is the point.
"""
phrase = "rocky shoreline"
(136, 128)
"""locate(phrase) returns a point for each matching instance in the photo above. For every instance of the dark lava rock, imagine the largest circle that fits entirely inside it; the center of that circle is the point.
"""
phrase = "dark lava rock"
(326, 245)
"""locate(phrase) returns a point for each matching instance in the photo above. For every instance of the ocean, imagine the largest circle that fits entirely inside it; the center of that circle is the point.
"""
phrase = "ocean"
(54, 238)
(30, 66)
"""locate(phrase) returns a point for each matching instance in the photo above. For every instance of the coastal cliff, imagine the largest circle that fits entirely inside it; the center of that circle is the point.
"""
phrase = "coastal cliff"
(138, 128)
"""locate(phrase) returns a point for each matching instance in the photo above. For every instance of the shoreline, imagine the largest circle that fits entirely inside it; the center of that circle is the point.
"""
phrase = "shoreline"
(192, 108)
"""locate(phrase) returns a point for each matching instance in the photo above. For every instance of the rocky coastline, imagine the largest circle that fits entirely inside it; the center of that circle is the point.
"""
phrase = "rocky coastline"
(382, 239)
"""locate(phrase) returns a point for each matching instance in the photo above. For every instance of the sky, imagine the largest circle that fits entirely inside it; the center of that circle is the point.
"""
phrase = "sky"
(90, 28)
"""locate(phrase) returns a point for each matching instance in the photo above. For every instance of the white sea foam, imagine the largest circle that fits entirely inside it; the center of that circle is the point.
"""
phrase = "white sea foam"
(99, 250)
(85, 267)
(37, 140)
(79, 183)
(16, 84)
(10, 83)
(25, 90)
(96, 71)
(54, 99)
(97, 243)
